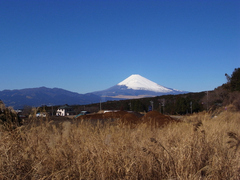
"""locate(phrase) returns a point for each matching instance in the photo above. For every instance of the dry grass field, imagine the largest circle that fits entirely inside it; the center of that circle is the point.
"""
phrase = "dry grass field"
(202, 146)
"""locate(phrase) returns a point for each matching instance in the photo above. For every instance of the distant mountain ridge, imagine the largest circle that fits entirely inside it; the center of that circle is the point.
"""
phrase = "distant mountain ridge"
(44, 96)
(135, 86)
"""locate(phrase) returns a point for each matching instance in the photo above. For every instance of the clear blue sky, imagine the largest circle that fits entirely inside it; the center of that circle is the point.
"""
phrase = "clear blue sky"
(91, 45)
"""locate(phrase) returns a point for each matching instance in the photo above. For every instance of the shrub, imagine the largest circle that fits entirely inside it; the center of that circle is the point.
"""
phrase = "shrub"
(8, 117)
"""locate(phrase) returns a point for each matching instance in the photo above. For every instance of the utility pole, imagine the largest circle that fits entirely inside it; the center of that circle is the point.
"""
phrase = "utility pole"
(163, 104)
(151, 104)
(191, 106)
(207, 100)
(100, 105)
(163, 108)
(52, 107)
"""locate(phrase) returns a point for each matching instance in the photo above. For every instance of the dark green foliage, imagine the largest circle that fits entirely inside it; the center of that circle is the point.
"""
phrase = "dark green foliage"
(173, 104)
(137, 106)
(228, 93)
(181, 105)
(234, 80)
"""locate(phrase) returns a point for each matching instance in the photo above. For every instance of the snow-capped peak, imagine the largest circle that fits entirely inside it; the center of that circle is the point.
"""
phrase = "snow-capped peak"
(138, 82)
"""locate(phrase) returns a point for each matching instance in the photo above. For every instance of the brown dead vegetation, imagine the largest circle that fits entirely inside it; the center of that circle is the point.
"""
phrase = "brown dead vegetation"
(203, 146)
(156, 119)
(152, 118)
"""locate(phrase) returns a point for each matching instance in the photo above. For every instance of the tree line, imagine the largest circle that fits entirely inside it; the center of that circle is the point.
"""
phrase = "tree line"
(227, 93)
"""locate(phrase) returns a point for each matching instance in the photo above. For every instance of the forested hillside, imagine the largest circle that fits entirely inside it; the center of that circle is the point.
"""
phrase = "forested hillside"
(228, 93)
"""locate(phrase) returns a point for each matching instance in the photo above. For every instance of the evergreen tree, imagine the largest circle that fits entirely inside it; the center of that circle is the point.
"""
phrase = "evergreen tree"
(234, 80)
(181, 105)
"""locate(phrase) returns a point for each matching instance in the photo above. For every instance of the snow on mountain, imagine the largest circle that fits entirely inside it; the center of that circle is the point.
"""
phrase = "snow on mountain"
(136, 86)
(138, 82)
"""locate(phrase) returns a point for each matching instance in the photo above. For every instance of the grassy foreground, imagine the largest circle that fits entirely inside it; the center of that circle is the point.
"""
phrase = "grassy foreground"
(201, 147)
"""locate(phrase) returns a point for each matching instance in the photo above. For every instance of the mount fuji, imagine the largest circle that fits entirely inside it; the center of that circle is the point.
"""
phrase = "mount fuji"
(136, 86)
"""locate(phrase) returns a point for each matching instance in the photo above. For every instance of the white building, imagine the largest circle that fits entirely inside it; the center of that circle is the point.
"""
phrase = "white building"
(65, 111)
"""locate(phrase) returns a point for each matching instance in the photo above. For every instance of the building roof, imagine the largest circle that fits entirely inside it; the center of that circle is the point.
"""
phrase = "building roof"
(65, 107)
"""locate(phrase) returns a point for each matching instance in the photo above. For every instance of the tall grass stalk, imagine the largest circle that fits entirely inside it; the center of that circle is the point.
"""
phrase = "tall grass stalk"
(201, 147)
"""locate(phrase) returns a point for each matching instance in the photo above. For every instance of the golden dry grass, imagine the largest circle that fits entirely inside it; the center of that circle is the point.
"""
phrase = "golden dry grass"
(202, 147)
